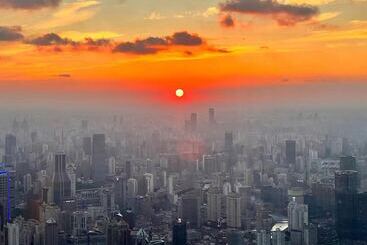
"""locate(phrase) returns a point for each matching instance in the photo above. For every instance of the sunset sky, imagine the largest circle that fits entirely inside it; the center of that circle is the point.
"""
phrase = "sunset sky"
(142, 50)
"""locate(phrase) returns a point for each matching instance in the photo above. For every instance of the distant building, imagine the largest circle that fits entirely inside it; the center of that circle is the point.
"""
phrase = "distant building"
(179, 232)
(233, 211)
(51, 232)
(5, 195)
(99, 165)
(290, 152)
(189, 208)
(61, 182)
(214, 204)
(10, 149)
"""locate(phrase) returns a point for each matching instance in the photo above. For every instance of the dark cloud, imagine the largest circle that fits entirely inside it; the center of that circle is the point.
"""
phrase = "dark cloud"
(29, 4)
(152, 45)
(64, 75)
(149, 45)
(12, 33)
(185, 39)
(55, 41)
(227, 21)
(97, 42)
(50, 39)
(284, 14)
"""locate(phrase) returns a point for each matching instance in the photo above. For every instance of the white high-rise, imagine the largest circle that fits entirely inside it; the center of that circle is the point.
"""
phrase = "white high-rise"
(214, 204)
(150, 182)
(233, 211)
(132, 187)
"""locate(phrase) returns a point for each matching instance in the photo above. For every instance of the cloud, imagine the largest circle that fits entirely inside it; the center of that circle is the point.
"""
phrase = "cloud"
(227, 21)
(152, 45)
(64, 75)
(211, 11)
(185, 39)
(56, 42)
(71, 13)
(50, 39)
(29, 4)
(12, 33)
(284, 14)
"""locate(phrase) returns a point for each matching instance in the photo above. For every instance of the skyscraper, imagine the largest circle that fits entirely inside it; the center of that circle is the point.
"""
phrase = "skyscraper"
(61, 182)
(179, 232)
(87, 145)
(346, 198)
(228, 141)
(214, 204)
(10, 149)
(298, 222)
(193, 122)
(118, 233)
(99, 165)
(211, 116)
(189, 208)
(5, 195)
(51, 233)
(290, 152)
(233, 210)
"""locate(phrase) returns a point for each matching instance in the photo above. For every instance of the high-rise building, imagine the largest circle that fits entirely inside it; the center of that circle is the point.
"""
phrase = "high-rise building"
(121, 189)
(228, 141)
(348, 163)
(189, 208)
(179, 232)
(13, 236)
(149, 178)
(211, 116)
(118, 233)
(61, 182)
(346, 199)
(10, 149)
(99, 165)
(298, 222)
(233, 210)
(290, 152)
(5, 194)
(214, 204)
(87, 145)
(51, 233)
(128, 169)
(193, 122)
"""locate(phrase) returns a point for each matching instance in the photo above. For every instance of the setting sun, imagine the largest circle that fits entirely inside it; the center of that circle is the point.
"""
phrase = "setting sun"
(179, 92)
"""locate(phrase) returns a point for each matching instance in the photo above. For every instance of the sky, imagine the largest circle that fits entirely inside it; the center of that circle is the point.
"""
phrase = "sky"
(218, 51)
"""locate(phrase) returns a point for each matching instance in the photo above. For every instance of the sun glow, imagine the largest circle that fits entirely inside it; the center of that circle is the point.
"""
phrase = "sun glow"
(179, 92)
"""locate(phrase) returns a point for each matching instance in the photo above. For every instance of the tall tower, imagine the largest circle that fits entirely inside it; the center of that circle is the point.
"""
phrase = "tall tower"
(211, 116)
(100, 168)
(233, 211)
(298, 222)
(61, 182)
(194, 121)
(179, 232)
(290, 152)
(51, 232)
(5, 195)
(118, 233)
(10, 149)
(149, 178)
(189, 208)
(346, 199)
(214, 204)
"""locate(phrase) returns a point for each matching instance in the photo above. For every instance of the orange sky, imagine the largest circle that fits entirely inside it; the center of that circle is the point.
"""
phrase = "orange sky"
(153, 47)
